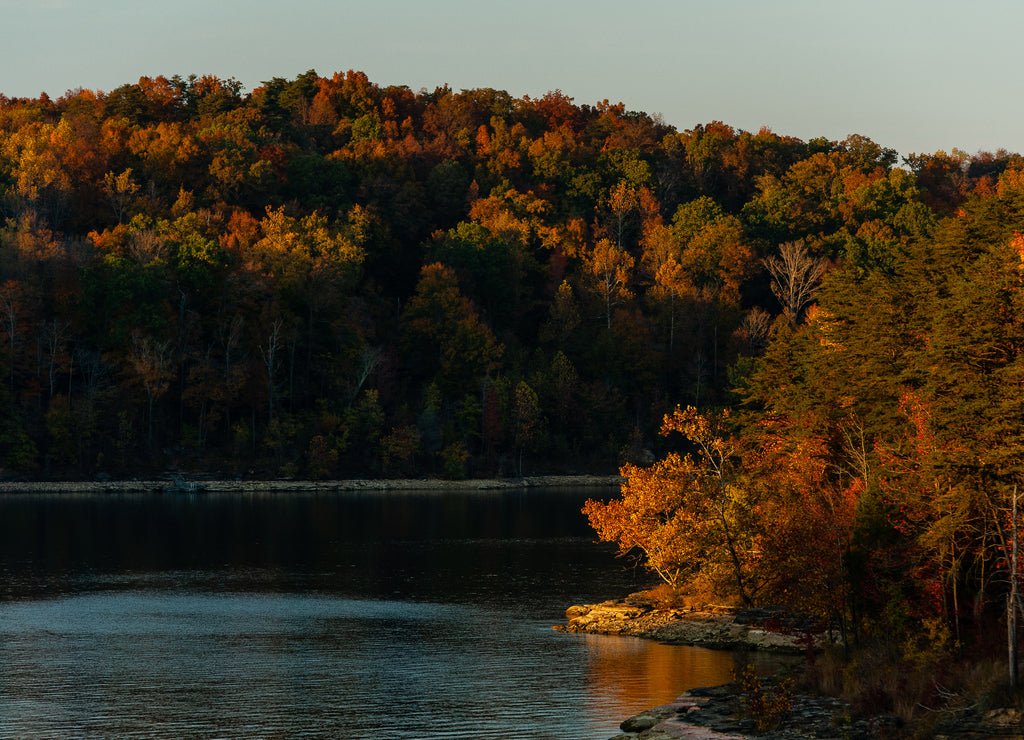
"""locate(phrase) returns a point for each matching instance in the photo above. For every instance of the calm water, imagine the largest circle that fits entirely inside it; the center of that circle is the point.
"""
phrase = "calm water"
(288, 616)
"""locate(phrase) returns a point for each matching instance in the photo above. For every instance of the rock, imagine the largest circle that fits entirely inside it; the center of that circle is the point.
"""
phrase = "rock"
(641, 616)
(573, 612)
(613, 617)
(716, 713)
(647, 720)
(1003, 716)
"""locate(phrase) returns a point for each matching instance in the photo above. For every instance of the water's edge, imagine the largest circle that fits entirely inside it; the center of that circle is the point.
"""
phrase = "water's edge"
(199, 485)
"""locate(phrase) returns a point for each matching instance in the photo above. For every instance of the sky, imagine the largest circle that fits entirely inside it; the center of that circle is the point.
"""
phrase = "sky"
(918, 76)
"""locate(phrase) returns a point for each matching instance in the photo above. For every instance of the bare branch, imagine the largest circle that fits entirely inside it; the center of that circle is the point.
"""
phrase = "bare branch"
(795, 278)
(756, 329)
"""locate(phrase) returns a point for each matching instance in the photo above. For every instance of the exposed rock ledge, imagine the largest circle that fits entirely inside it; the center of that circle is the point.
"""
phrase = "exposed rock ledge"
(719, 628)
(717, 714)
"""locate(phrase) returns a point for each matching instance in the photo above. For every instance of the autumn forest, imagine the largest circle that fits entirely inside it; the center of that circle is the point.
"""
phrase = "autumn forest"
(327, 278)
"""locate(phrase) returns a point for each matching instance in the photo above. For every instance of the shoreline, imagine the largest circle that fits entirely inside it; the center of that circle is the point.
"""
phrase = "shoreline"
(197, 485)
(714, 712)
(728, 712)
(713, 627)
(725, 713)
(719, 713)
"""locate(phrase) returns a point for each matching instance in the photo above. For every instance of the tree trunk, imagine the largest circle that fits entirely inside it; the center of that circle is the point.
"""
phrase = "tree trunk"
(1011, 606)
(733, 555)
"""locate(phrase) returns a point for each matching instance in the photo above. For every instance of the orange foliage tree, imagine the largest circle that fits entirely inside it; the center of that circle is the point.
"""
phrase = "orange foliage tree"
(688, 516)
(807, 513)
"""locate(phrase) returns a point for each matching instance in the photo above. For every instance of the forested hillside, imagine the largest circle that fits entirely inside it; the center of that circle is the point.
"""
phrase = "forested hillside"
(329, 278)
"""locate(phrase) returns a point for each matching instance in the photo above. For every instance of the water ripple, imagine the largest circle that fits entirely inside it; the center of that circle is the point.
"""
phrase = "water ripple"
(154, 664)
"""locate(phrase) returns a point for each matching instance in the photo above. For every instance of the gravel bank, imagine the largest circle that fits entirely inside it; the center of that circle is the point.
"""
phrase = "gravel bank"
(169, 484)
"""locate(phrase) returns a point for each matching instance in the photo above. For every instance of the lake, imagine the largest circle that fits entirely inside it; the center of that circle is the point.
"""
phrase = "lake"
(376, 615)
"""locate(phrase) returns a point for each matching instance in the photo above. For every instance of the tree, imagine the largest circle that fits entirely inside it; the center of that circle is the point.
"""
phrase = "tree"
(489, 269)
(397, 449)
(270, 348)
(690, 516)
(718, 257)
(608, 268)
(526, 419)
(444, 335)
(120, 191)
(11, 315)
(151, 363)
(40, 156)
(806, 512)
(755, 331)
(622, 201)
(795, 278)
(657, 518)
(661, 256)
(563, 318)
(312, 264)
(55, 338)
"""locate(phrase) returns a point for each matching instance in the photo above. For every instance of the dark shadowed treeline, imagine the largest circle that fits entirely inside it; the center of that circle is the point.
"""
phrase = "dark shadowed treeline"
(329, 278)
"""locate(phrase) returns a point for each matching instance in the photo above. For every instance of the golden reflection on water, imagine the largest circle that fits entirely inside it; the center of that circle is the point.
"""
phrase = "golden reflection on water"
(628, 675)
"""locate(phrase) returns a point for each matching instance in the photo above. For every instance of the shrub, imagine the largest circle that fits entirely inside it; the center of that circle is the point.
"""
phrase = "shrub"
(455, 457)
(767, 701)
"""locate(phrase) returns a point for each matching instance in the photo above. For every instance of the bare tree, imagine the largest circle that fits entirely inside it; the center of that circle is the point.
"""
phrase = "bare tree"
(756, 329)
(795, 278)
(55, 338)
(271, 360)
(1012, 605)
(11, 297)
(229, 335)
(146, 245)
(369, 359)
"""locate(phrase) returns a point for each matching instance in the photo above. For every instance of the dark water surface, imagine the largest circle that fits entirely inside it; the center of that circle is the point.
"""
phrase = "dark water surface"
(383, 615)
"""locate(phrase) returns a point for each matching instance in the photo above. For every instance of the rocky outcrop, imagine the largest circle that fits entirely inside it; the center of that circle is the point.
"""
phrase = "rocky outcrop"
(718, 628)
(717, 714)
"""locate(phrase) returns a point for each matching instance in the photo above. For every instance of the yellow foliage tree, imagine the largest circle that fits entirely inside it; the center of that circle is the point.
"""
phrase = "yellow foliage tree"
(608, 269)
(690, 517)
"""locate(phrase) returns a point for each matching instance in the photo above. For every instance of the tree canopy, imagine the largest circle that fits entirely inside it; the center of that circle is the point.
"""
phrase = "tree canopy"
(197, 276)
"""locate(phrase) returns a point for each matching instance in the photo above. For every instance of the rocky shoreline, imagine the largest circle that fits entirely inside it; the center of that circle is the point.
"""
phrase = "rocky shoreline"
(718, 713)
(719, 628)
(726, 712)
(173, 483)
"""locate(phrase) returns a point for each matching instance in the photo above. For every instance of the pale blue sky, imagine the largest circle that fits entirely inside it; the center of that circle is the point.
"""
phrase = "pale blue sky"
(915, 75)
